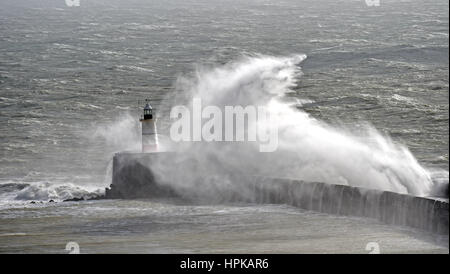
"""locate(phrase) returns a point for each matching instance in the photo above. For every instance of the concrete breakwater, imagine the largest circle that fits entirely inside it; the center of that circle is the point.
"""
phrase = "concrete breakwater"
(392, 208)
(133, 177)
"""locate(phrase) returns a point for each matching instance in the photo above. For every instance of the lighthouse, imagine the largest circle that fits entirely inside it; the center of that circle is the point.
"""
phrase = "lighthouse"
(149, 134)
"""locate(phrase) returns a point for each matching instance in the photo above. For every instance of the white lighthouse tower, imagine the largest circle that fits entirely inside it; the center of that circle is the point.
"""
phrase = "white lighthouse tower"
(149, 134)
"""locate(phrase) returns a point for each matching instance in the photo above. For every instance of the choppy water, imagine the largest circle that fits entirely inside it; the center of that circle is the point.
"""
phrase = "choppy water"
(171, 227)
(70, 79)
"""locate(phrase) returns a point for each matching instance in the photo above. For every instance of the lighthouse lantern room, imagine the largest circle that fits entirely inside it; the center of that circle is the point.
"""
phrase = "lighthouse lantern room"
(149, 133)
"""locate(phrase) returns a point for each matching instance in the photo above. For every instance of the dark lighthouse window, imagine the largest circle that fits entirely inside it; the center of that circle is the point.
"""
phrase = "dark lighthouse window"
(148, 112)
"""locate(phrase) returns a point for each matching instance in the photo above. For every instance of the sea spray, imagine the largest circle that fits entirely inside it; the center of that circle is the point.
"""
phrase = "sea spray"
(309, 149)
(123, 133)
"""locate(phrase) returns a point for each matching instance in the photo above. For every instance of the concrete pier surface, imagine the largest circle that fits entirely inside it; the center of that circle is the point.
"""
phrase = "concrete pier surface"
(138, 175)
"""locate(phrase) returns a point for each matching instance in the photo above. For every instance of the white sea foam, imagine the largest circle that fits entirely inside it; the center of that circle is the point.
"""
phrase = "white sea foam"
(45, 191)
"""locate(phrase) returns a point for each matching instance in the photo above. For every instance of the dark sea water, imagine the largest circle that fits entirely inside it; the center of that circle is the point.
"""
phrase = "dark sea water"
(70, 79)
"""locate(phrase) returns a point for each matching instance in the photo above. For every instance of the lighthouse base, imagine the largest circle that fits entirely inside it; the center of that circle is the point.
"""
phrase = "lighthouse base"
(132, 177)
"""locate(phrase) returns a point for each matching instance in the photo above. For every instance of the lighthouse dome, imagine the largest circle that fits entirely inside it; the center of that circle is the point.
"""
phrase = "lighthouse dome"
(148, 112)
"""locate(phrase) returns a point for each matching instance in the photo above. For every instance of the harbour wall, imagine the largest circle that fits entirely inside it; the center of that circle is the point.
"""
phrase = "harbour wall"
(133, 178)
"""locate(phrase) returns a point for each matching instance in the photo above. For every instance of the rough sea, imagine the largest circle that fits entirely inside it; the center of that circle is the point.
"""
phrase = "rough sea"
(71, 78)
